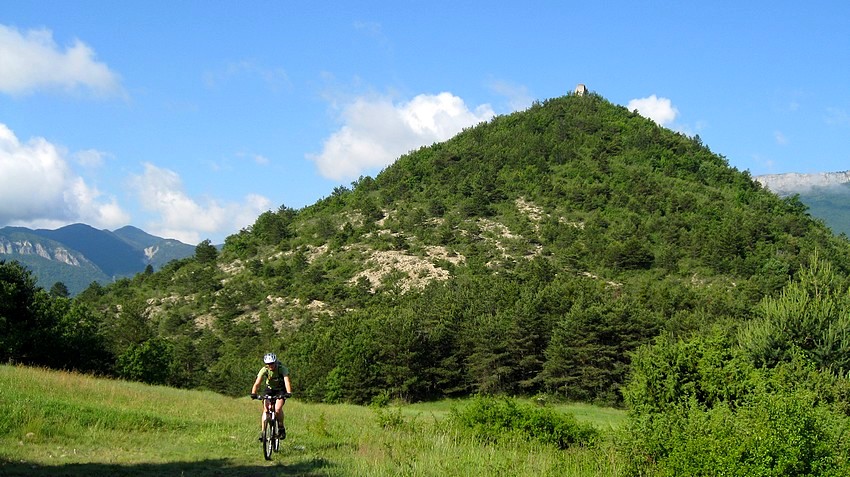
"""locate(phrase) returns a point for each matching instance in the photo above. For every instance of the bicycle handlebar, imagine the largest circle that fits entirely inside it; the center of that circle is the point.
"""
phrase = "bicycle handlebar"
(272, 396)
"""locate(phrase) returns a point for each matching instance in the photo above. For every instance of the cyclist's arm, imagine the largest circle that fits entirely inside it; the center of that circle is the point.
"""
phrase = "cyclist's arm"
(287, 384)
(257, 384)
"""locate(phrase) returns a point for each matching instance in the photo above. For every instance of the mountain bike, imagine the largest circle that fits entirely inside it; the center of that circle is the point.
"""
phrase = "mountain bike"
(271, 436)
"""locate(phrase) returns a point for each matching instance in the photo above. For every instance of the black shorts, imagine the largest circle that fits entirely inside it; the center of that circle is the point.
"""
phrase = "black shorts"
(275, 392)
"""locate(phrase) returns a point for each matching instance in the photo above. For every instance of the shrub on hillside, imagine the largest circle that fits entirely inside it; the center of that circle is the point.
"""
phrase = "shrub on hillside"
(808, 318)
(776, 434)
(146, 362)
(493, 419)
(699, 407)
(703, 370)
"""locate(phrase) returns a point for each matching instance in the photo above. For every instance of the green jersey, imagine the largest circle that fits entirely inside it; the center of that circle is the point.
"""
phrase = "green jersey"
(274, 378)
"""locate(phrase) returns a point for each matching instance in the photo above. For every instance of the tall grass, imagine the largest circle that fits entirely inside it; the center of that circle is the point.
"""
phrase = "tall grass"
(58, 423)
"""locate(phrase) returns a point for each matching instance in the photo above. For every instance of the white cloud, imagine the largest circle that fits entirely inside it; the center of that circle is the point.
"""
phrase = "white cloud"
(91, 158)
(781, 139)
(179, 216)
(38, 188)
(660, 110)
(376, 131)
(32, 61)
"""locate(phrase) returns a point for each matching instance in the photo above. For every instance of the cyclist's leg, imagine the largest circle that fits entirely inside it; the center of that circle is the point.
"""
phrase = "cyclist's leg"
(278, 411)
(262, 416)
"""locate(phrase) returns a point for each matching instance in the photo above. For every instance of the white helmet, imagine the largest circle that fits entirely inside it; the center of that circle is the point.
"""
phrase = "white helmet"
(269, 358)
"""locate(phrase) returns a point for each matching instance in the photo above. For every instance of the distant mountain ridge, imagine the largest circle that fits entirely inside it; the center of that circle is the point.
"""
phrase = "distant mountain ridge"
(826, 194)
(113, 255)
(79, 254)
(794, 182)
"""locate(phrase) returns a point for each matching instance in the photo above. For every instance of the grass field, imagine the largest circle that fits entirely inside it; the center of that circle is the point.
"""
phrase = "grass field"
(65, 424)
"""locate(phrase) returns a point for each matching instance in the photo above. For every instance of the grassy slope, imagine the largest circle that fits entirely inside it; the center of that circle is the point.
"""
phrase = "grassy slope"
(56, 423)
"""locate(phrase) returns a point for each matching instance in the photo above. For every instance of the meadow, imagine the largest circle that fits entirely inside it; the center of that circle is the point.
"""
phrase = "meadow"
(55, 423)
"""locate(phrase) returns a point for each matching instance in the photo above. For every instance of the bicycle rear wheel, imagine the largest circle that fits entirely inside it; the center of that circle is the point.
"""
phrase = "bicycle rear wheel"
(268, 435)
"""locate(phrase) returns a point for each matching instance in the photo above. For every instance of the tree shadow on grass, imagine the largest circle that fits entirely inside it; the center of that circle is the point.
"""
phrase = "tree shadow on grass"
(204, 468)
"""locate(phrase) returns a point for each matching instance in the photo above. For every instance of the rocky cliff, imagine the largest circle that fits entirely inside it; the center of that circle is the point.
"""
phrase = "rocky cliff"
(795, 183)
(26, 247)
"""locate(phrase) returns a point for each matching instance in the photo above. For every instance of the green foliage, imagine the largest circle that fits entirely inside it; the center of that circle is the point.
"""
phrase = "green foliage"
(494, 420)
(240, 245)
(233, 372)
(718, 416)
(131, 325)
(271, 228)
(809, 317)
(59, 290)
(771, 434)
(588, 356)
(47, 329)
(91, 294)
(205, 252)
(389, 418)
(82, 344)
(21, 323)
(722, 402)
(147, 362)
(701, 371)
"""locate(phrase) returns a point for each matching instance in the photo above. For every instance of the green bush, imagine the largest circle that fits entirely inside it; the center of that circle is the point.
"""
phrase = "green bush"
(700, 407)
(705, 369)
(809, 318)
(778, 434)
(492, 419)
(146, 362)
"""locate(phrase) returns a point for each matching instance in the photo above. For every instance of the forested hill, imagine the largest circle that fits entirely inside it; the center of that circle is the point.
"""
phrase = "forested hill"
(530, 254)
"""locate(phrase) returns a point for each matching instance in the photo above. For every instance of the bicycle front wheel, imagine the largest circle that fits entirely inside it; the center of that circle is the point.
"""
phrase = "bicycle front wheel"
(268, 435)
(276, 438)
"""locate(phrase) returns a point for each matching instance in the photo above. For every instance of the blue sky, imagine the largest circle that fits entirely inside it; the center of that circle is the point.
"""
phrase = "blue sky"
(190, 118)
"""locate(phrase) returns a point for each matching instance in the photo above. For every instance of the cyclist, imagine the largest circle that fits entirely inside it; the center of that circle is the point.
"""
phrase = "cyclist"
(277, 384)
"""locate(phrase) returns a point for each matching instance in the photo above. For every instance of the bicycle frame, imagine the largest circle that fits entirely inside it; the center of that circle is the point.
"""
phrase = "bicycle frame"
(269, 403)
(271, 441)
